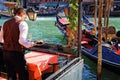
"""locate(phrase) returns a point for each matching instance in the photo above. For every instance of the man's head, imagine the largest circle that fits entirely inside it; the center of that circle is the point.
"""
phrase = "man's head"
(21, 13)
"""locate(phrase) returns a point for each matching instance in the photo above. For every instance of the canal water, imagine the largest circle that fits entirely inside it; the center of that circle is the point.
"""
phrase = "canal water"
(44, 28)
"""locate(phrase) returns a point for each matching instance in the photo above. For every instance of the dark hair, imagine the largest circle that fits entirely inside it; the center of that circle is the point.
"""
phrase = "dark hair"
(19, 11)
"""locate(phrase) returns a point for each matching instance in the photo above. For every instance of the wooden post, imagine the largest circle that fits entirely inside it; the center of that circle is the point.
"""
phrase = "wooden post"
(66, 10)
(105, 18)
(105, 9)
(107, 22)
(107, 13)
(79, 27)
(95, 16)
(99, 63)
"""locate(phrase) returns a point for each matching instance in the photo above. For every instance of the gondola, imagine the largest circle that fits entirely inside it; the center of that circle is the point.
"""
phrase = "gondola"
(110, 56)
(62, 22)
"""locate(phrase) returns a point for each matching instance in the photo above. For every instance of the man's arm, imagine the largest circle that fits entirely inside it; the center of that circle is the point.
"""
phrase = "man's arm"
(1, 35)
(23, 27)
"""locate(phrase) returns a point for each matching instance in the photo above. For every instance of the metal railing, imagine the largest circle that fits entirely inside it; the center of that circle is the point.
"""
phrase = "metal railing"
(71, 71)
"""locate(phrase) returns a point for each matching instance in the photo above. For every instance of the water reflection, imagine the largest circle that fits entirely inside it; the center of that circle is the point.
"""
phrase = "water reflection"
(90, 68)
(89, 71)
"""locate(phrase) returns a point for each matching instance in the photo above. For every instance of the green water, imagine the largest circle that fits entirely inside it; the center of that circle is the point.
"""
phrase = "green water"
(115, 22)
(43, 28)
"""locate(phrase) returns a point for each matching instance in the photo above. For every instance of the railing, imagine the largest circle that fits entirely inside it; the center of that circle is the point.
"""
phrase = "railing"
(71, 71)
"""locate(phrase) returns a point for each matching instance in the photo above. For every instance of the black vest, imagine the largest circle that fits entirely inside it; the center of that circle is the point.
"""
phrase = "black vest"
(11, 35)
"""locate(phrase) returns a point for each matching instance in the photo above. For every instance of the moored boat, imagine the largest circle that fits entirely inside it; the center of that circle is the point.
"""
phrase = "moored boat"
(110, 56)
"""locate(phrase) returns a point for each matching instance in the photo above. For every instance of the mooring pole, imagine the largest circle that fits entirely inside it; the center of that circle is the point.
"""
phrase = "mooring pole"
(95, 17)
(99, 63)
(79, 27)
